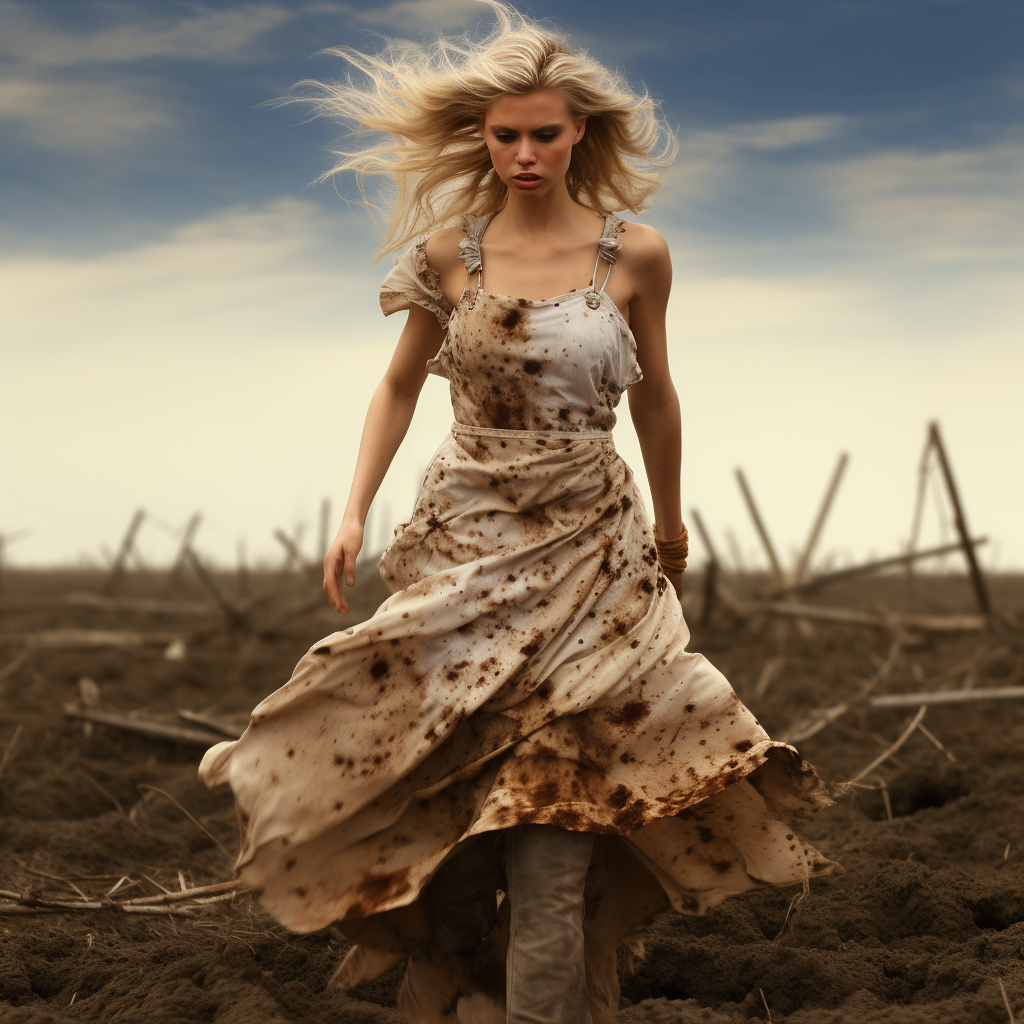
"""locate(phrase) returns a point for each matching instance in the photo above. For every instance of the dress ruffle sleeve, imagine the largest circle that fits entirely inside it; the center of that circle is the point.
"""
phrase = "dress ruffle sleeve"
(413, 281)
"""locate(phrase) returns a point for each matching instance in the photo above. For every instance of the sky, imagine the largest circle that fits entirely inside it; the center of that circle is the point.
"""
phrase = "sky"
(189, 324)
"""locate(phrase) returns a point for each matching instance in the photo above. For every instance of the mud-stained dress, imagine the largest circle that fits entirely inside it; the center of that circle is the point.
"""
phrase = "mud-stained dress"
(529, 667)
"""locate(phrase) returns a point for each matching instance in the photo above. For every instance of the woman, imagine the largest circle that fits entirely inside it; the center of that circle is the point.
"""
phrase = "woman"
(521, 715)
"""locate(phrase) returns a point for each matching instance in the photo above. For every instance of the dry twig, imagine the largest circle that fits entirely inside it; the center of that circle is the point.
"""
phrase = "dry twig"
(9, 748)
(106, 792)
(209, 722)
(143, 726)
(202, 828)
(884, 756)
(1006, 1001)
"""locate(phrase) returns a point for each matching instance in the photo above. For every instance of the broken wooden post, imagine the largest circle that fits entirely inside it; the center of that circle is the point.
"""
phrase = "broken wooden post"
(295, 559)
(704, 536)
(980, 588)
(236, 615)
(181, 558)
(242, 571)
(739, 565)
(805, 556)
(773, 561)
(122, 555)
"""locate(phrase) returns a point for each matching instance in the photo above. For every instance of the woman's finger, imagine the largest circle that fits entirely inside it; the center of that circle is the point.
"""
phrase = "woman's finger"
(331, 589)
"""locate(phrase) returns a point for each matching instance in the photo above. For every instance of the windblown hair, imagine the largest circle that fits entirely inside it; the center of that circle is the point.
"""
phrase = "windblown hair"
(428, 101)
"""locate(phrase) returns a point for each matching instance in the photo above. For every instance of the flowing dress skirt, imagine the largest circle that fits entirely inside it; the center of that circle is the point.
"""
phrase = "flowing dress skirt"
(529, 667)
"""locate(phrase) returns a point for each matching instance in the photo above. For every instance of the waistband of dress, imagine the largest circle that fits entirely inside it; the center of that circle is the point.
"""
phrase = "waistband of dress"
(532, 435)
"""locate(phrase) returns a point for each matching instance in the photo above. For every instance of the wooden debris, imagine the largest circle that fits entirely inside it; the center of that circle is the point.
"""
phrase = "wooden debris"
(235, 613)
(185, 903)
(181, 558)
(748, 497)
(143, 726)
(9, 749)
(893, 623)
(102, 789)
(867, 568)
(12, 666)
(903, 700)
(210, 722)
(886, 754)
(185, 894)
(1006, 1001)
(704, 536)
(800, 571)
(977, 579)
(144, 789)
(933, 739)
(117, 569)
(63, 638)
(772, 667)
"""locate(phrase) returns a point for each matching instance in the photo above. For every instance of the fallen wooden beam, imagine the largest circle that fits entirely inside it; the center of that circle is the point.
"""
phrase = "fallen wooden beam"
(903, 700)
(810, 725)
(117, 605)
(143, 726)
(867, 568)
(58, 638)
(855, 617)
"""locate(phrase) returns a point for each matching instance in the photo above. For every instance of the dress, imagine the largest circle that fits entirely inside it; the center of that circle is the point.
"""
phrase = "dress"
(529, 667)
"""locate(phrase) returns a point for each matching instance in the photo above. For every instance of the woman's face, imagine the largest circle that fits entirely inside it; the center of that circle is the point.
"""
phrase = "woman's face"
(530, 139)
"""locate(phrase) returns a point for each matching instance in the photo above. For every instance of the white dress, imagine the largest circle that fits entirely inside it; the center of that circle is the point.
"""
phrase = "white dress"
(529, 667)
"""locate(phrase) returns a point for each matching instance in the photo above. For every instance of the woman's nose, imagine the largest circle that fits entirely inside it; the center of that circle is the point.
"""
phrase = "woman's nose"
(524, 155)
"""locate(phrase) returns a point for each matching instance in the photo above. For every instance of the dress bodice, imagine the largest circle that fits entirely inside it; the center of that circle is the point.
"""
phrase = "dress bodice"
(524, 364)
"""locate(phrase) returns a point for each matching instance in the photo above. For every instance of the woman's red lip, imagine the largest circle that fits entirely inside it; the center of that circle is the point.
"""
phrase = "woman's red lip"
(527, 177)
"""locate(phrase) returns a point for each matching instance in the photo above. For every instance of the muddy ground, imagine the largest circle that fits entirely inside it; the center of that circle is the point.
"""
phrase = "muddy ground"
(928, 918)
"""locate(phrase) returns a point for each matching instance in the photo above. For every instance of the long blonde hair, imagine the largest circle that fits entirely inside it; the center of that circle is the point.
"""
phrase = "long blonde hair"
(428, 101)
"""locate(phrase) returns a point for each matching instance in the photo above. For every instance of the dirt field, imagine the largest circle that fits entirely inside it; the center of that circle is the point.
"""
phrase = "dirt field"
(928, 918)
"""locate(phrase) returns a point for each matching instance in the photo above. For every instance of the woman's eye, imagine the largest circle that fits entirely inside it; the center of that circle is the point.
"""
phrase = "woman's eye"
(504, 138)
(547, 137)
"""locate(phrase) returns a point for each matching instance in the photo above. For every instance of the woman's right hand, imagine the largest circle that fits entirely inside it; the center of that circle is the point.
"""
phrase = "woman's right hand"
(340, 563)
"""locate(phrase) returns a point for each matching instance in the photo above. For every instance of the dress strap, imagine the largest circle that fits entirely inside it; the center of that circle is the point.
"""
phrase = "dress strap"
(469, 249)
(608, 247)
(608, 250)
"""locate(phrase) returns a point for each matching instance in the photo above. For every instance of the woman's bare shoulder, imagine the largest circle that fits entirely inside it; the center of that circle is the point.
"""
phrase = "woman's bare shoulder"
(443, 249)
(644, 247)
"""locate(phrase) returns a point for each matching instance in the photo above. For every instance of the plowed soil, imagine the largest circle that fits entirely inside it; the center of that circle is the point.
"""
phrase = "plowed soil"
(927, 920)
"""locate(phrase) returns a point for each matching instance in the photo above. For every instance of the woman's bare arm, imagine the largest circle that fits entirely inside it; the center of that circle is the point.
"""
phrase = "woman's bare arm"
(387, 420)
(653, 403)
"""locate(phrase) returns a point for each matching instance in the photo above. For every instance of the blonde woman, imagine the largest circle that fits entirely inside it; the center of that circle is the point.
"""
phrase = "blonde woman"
(521, 716)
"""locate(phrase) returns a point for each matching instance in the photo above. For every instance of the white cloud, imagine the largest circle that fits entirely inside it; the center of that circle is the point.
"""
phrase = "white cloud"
(783, 133)
(711, 160)
(954, 206)
(83, 117)
(241, 274)
(418, 15)
(204, 34)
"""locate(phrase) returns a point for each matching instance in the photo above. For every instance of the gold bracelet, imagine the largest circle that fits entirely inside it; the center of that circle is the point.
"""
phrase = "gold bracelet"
(672, 553)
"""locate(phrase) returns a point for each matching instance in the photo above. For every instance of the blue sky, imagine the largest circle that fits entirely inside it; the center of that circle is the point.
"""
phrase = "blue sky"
(192, 325)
